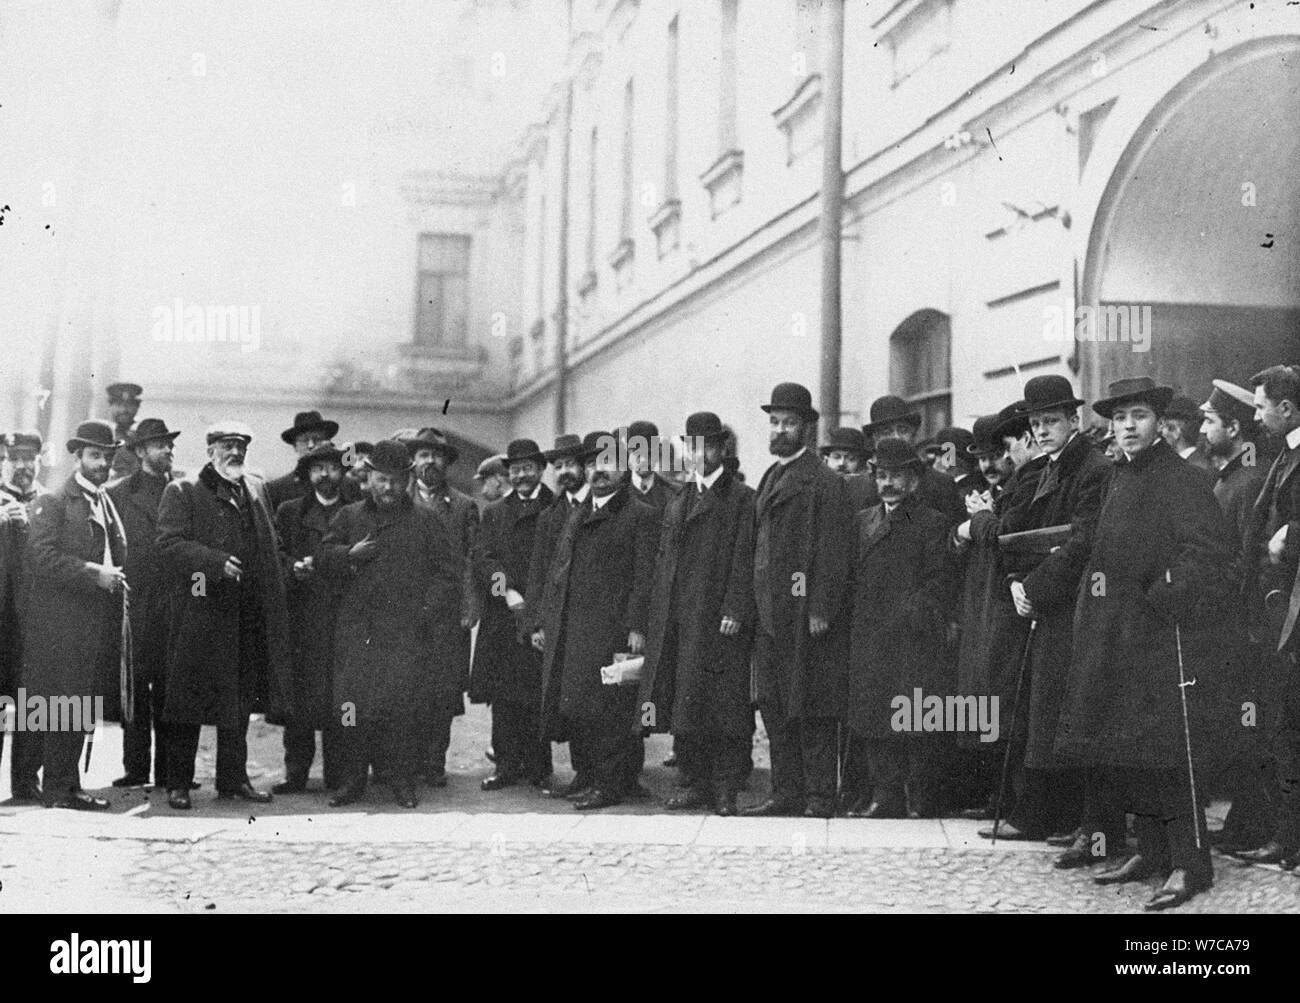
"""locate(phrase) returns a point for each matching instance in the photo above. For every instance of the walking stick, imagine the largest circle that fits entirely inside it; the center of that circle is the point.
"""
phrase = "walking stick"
(1187, 731)
(1011, 737)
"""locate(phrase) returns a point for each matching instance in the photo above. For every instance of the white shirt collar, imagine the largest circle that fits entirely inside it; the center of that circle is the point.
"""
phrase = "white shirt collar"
(704, 483)
(1293, 438)
(598, 501)
(85, 485)
(532, 497)
(787, 460)
(644, 485)
(1185, 453)
(580, 496)
(1057, 455)
(326, 502)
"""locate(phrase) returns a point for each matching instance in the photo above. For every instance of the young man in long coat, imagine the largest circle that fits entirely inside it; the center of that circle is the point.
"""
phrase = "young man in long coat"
(801, 574)
(312, 601)
(1068, 491)
(229, 648)
(137, 499)
(1159, 611)
(507, 669)
(75, 551)
(596, 608)
(398, 619)
(901, 594)
(696, 676)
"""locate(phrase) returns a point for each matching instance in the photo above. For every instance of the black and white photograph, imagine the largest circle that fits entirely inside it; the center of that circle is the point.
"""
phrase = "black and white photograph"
(522, 457)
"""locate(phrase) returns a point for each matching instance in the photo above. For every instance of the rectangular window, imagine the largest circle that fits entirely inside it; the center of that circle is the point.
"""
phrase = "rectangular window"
(629, 162)
(443, 288)
(670, 117)
(727, 70)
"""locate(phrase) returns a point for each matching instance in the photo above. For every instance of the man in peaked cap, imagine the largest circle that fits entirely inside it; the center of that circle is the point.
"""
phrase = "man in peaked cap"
(123, 405)
(845, 451)
(801, 580)
(507, 669)
(493, 479)
(137, 498)
(893, 416)
(1181, 426)
(308, 431)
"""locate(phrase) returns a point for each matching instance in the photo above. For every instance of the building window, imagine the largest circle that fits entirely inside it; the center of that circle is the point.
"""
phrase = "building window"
(443, 289)
(920, 368)
(670, 113)
(727, 75)
(628, 161)
(919, 37)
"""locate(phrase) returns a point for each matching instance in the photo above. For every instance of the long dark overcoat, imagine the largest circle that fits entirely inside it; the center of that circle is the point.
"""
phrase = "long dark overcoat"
(506, 666)
(197, 532)
(901, 593)
(1122, 705)
(600, 578)
(399, 614)
(704, 571)
(1068, 490)
(460, 517)
(802, 551)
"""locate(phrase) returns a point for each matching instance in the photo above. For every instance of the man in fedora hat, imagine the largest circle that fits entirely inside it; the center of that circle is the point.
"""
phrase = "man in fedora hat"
(400, 576)
(1068, 491)
(308, 431)
(801, 576)
(123, 406)
(1180, 427)
(595, 610)
(229, 646)
(1158, 610)
(893, 416)
(312, 604)
(137, 498)
(493, 479)
(72, 643)
(701, 626)
(432, 454)
(845, 451)
(507, 669)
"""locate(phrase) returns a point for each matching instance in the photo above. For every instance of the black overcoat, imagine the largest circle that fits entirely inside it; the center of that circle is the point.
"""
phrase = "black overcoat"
(460, 517)
(137, 499)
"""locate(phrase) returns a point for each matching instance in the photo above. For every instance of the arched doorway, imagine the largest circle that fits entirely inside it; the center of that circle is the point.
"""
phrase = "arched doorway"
(920, 367)
(1198, 231)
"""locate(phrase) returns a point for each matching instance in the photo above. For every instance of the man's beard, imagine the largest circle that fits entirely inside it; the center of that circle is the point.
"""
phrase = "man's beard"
(96, 476)
(160, 467)
(603, 483)
(524, 487)
(569, 482)
(22, 479)
(327, 488)
(231, 470)
(1220, 449)
(783, 445)
(430, 476)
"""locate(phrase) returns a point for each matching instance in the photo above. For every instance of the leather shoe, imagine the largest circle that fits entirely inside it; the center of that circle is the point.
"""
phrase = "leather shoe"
(405, 797)
(1271, 852)
(772, 808)
(81, 801)
(1061, 838)
(820, 808)
(688, 799)
(1009, 832)
(725, 805)
(497, 782)
(984, 814)
(247, 792)
(131, 781)
(179, 800)
(1177, 889)
(885, 809)
(1135, 868)
(575, 788)
(1080, 855)
(290, 787)
(595, 799)
(348, 794)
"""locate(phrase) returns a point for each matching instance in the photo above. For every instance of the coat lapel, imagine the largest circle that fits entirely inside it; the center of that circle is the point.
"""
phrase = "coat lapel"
(791, 482)
(875, 528)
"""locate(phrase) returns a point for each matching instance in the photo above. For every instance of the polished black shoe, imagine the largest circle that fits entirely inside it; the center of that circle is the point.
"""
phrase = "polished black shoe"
(1135, 868)
(497, 782)
(348, 794)
(772, 808)
(595, 799)
(1081, 855)
(1060, 838)
(688, 800)
(578, 787)
(1271, 852)
(1177, 889)
(289, 787)
(247, 792)
(725, 804)
(405, 797)
(81, 801)
(1009, 832)
(179, 800)
(131, 781)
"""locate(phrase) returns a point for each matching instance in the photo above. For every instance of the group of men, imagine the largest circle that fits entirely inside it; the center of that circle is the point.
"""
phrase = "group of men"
(1049, 625)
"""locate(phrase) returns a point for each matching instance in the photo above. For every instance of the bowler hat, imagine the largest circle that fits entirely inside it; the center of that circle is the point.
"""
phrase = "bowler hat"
(792, 397)
(26, 439)
(124, 391)
(959, 438)
(595, 443)
(1231, 402)
(432, 438)
(847, 440)
(228, 430)
(890, 410)
(309, 421)
(1012, 421)
(643, 429)
(985, 440)
(893, 453)
(566, 447)
(390, 457)
(1132, 390)
(1184, 408)
(524, 449)
(148, 429)
(1049, 393)
(93, 433)
(326, 452)
(705, 425)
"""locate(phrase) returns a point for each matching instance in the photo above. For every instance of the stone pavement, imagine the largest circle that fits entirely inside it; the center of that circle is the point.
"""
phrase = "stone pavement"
(463, 850)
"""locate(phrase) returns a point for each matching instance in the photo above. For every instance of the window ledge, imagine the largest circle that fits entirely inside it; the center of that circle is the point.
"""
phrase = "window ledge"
(722, 179)
(622, 253)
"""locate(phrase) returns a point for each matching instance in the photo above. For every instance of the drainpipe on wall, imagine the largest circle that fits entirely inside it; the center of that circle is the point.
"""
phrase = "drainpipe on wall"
(832, 211)
(562, 271)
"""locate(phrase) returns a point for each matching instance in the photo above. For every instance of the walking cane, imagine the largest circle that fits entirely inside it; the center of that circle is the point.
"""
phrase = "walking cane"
(1187, 731)
(1011, 736)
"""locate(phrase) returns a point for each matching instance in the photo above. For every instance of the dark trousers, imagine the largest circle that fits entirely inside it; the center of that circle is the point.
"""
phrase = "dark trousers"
(1047, 801)
(62, 753)
(1160, 801)
(713, 762)
(300, 751)
(519, 752)
(1103, 822)
(1285, 743)
(803, 756)
(907, 771)
(607, 758)
(392, 746)
(145, 734)
(25, 760)
(439, 739)
(232, 756)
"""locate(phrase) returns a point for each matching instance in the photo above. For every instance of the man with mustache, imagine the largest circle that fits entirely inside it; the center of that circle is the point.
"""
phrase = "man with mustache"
(845, 452)
(801, 577)
(893, 416)
(137, 499)
(595, 609)
(641, 440)
(507, 669)
(312, 602)
(76, 550)
(493, 479)
(229, 647)
(401, 578)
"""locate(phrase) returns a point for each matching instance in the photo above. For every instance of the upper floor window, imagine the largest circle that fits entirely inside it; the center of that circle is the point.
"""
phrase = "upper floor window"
(920, 369)
(442, 317)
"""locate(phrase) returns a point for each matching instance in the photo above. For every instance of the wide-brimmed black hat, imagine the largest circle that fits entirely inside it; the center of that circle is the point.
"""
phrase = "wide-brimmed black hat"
(1231, 402)
(890, 410)
(390, 457)
(1132, 390)
(148, 429)
(309, 421)
(847, 440)
(432, 438)
(985, 440)
(893, 453)
(326, 452)
(26, 439)
(524, 449)
(93, 433)
(792, 397)
(705, 425)
(1049, 393)
(1183, 408)
(595, 443)
(124, 391)
(566, 447)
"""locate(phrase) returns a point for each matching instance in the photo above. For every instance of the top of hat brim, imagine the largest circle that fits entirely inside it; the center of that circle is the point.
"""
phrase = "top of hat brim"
(330, 428)
(1159, 396)
(141, 440)
(911, 418)
(535, 457)
(74, 444)
(984, 449)
(412, 445)
(832, 448)
(811, 412)
(1070, 402)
